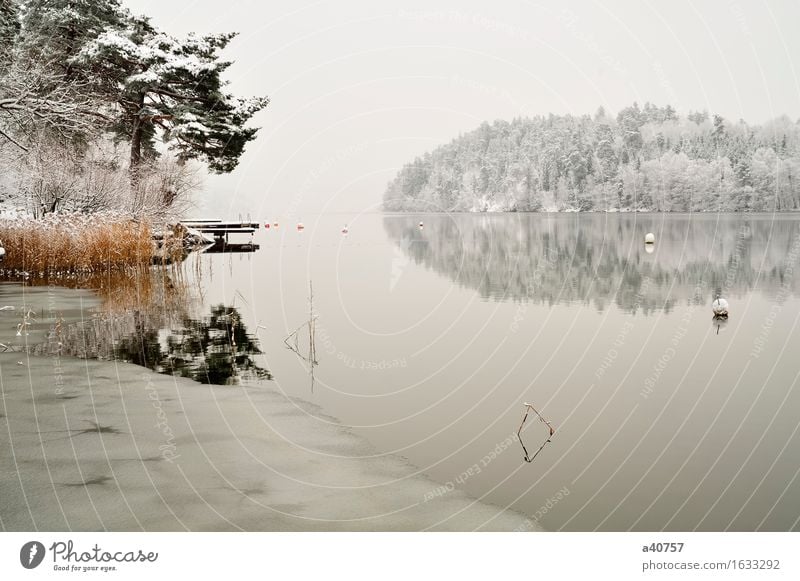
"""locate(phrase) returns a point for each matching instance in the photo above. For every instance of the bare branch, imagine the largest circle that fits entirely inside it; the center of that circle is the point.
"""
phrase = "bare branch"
(12, 140)
(42, 98)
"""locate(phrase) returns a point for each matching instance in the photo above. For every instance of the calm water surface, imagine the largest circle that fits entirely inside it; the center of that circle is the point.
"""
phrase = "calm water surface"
(430, 339)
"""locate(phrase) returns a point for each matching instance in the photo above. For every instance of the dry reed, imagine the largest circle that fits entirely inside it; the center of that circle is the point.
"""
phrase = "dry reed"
(74, 243)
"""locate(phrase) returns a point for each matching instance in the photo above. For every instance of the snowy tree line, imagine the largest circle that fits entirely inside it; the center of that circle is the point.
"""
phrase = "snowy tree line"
(644, 159)
(99, 109)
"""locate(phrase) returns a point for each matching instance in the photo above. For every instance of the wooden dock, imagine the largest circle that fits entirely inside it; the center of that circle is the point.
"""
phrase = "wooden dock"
(220, 246)
(220, 229)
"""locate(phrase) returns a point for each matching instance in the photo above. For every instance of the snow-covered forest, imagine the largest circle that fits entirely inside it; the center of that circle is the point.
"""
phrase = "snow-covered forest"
(100, 110)
(644, 159)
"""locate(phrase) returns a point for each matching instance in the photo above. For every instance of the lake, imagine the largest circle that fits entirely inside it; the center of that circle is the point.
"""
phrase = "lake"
(431, 332)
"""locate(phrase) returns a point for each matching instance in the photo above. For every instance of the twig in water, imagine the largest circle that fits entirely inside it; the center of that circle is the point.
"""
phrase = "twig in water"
(28, 316)
(241, 296)
(528, 408)
(311, 325)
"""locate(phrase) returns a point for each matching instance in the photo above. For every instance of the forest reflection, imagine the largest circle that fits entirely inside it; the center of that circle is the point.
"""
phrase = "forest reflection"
(601, 259)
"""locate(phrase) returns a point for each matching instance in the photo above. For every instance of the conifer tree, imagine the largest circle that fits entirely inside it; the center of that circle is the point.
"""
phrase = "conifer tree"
(172, 89)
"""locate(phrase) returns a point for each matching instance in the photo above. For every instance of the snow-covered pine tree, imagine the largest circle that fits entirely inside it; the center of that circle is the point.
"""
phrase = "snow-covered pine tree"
(55, 31)
(606, 154)
(9, 28)
(172, 89)
(50, 97)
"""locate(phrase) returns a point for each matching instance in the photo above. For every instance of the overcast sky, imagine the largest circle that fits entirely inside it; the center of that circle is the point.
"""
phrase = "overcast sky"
(360, 87)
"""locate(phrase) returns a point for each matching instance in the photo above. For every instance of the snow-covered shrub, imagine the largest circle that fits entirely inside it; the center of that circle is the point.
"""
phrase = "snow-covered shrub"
(52, 178)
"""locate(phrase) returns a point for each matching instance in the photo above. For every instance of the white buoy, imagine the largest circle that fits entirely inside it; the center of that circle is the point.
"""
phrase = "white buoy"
(420, 224)
(300, 226)
(720, 307)
(649, 238)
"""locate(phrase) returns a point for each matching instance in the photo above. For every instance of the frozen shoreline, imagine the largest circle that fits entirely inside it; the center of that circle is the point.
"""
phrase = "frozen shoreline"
(102, 445)
(172, 454)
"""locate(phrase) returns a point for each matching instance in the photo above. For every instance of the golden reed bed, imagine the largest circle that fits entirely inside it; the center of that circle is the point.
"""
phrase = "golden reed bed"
(75, 244)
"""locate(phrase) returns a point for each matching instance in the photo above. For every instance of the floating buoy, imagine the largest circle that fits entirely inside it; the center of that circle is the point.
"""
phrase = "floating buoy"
(275, 225)
(649, 238)
(345, 230)
(421, 224)
(720, 307)
(300, 226)
(266, 226)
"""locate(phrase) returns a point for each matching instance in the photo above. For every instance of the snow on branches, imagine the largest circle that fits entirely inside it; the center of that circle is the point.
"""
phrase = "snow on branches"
(172, 89)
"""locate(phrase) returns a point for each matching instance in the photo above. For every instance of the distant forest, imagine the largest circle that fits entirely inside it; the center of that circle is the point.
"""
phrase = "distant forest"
(645, 159)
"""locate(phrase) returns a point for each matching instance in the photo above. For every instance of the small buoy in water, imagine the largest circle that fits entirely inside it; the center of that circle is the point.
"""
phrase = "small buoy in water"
(300, 226)
(649, 238)
(345, 230)
(275, 225)
(266, 226)
(420, 224)
(720, 307)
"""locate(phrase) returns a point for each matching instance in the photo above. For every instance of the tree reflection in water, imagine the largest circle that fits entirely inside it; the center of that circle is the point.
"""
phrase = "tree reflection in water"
(216, 349)
(148, 319)
(601, 259)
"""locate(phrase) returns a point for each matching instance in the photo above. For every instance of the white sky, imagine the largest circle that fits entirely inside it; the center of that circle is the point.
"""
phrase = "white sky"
(360, 87)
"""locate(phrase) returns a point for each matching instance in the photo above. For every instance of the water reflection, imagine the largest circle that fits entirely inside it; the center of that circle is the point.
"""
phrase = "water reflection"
(719, 323)
(601, 259)
(216, 349)
(221, 246)
(151, 319)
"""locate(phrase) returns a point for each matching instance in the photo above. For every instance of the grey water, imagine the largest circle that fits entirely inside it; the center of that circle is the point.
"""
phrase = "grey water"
(432, 332)
(430, 339)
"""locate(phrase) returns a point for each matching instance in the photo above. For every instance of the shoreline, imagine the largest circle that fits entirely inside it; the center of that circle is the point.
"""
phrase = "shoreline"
(113, 446)
(105, 445)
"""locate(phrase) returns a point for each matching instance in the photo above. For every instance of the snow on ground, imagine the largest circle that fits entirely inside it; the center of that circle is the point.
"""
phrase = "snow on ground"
(200, 236)
(12, 213)
(97, 445)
